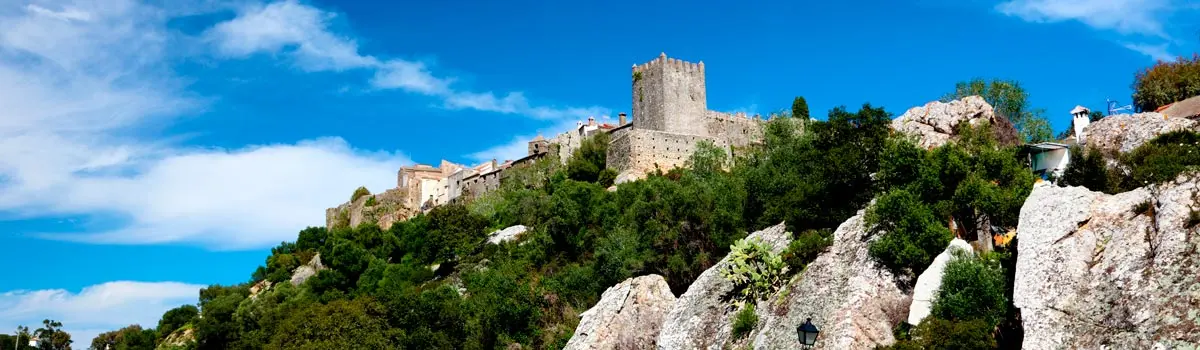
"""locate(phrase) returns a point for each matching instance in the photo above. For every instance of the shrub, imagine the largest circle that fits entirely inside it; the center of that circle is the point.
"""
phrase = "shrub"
(1166, 82)
(1163, 158)
(972, 289)
(359, 192)
(1087, 169)
(745, 321)
(756, 273)
(806, 247)
(1141, 208)
(1193, 219)
(935, 333)
(912, 235)
(370, 202)
(589, 161)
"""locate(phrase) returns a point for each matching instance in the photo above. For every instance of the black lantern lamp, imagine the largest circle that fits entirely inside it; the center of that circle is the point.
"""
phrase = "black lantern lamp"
(807, 333)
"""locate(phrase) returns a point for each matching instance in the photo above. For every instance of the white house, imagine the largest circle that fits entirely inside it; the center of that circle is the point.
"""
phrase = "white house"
(1048, 159)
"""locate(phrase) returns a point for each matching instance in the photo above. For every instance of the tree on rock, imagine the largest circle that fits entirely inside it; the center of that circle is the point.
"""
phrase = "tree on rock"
(1010, 100)
(1166, 82)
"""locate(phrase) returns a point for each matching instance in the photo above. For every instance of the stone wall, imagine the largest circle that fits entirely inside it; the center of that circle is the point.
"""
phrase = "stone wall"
(736, 129)
(639, 151)
(669, 95)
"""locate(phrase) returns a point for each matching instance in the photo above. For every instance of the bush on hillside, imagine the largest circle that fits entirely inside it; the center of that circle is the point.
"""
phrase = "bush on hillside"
(755, 271)
(806, 247)
(973, 288)
(358, 193)
(1166, 82)
(1162, 159)
(1087, 169)
(590, 160)
(745, 321)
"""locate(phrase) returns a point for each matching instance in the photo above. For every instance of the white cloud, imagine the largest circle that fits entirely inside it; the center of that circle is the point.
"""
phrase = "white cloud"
(1123, 16)
(80, 81)
(303, 32)
(1157, 52)
(95, 309)
(288, 25)
(516, 149)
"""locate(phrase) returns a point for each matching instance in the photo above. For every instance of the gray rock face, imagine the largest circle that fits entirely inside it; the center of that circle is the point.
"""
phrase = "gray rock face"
(933, 124)
(628, 316)
(930, 282)
(304, 272)
(853, 301)
(701, 318)
(1092, 273)
(1125, 132)
(507, 234)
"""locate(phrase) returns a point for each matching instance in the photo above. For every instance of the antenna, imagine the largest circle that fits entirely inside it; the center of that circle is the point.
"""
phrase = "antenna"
(1113, 109)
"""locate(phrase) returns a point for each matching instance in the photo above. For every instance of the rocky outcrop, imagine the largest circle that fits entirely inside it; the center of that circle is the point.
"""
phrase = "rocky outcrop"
(182, 338)
(1110, 271)
(304, 272)
(628, 316)
(1125, 132)
(934, 123)
(259, 288)
(930, 281)
(852, 299)
(701, 317)
(507, 234)
(383, 209)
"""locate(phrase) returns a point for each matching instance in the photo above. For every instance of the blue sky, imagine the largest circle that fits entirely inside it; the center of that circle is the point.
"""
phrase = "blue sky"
(150, 148)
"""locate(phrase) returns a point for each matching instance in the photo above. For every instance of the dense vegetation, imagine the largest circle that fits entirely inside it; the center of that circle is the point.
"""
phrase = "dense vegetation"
(1166, 82)
(432, 282)
(1161, 159)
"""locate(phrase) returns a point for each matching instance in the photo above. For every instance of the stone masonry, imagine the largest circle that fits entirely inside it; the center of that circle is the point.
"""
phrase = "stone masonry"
(670, 117)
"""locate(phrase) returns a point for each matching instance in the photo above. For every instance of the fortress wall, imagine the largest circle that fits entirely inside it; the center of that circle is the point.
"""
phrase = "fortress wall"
(736, 129)
(642, 151)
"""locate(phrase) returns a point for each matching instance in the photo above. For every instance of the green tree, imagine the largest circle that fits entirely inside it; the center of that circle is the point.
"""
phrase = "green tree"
(1011, 101)
(133, 337)
(175, 318)
(1162, 159)
(590, 160)
(51, 336)
(973, 288)
(1166, 82)
(1087, 169)
(800, 108)
(341, 324)
(1095, 116)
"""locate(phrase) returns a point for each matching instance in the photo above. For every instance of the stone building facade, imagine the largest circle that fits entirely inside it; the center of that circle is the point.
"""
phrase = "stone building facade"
(670, 117)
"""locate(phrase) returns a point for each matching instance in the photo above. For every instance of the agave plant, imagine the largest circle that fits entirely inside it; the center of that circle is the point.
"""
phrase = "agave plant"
(755, 272)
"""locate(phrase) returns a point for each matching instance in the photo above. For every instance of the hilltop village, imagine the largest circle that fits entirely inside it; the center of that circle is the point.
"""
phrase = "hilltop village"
(670, 117)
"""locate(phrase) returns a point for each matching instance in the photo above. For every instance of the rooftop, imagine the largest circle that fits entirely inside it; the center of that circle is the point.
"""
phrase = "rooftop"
(1188, 108)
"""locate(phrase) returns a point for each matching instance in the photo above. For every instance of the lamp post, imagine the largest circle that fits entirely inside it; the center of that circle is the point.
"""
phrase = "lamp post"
(807, 333)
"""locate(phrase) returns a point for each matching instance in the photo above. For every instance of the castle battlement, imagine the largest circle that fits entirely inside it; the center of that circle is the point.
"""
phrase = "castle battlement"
(671, 63)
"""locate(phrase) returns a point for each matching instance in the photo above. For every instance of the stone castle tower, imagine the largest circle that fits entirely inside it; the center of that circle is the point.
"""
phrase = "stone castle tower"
(668, 96)
(670, 117)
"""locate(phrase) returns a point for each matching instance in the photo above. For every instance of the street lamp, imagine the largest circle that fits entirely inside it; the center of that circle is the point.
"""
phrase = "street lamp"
(807, 333)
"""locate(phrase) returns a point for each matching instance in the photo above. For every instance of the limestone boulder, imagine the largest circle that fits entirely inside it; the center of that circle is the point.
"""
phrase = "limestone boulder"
(930, 281)
(702, 317)
(852, 299)
(628, 316)
(934, 123)
(383, 209)
(1110, 271)
(507, 234)
(306, 271)
(1125, 132)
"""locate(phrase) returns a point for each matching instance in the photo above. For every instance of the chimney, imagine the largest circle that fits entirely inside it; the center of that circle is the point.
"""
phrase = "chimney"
(591, 121)
(621, 119)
